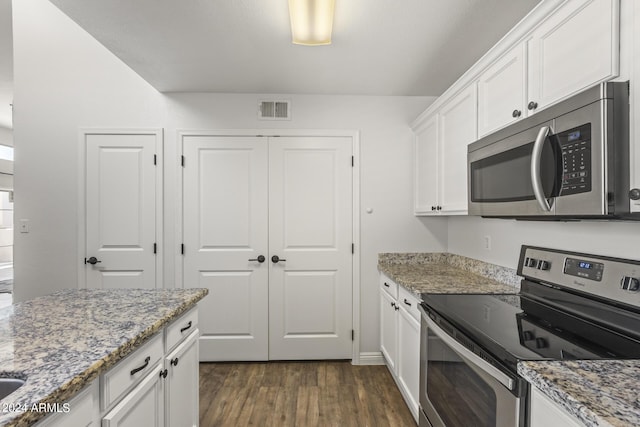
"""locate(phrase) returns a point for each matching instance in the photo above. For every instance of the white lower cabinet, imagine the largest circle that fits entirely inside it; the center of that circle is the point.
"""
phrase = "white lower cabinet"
(143, 406)
(155, 386)
(181, 394)
(81, 411)
(545, 412)
(400, 339)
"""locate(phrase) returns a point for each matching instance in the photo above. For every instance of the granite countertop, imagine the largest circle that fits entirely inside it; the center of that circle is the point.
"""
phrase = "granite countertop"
(61, 342)
(597, 392)
(444, 273)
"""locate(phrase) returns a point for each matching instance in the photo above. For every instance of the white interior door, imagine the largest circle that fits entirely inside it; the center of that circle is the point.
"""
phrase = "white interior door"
(310, 230)
(225, 195)
(121, 190)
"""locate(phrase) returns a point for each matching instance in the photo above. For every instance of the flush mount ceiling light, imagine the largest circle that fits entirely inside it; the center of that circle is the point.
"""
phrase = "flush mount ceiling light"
(311, 21)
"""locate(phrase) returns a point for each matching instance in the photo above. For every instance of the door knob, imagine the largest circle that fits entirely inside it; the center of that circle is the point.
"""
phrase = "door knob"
(532, 105)
(93, 260)
(260, 259)
(276, 258)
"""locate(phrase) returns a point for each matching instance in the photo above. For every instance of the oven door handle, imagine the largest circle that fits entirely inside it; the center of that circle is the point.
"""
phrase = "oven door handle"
(500, 376)
(536, 179)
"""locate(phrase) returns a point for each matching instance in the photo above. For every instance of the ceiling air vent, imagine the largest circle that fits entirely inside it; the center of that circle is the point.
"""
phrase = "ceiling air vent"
(274, 110)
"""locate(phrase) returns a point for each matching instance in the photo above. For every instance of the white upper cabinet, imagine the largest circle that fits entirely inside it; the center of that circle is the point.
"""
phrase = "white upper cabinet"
(440, 147)
(574, 49)
(457, 129)
(502, 92)
(426, 167)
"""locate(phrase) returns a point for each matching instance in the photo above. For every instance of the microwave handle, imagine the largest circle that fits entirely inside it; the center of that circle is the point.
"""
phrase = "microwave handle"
(536, 180)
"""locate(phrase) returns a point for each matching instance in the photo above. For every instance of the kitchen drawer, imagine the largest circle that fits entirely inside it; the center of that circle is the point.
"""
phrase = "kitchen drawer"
(119, 379)
(389, 286)
(181, 328)
(409, 302)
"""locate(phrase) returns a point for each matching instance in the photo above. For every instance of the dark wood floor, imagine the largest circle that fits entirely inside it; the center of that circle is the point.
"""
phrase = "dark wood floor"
(326, 393)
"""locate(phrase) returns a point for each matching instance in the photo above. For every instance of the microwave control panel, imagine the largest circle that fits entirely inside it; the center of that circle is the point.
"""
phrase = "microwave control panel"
(576, 160)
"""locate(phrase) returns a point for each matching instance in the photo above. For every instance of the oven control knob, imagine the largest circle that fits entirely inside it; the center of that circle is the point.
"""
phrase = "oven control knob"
(541, 343)
(530, 262)
(544, 265)
(630, 284)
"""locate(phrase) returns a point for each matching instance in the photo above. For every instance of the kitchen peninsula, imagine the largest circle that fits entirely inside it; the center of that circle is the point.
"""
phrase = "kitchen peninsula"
(63, 343)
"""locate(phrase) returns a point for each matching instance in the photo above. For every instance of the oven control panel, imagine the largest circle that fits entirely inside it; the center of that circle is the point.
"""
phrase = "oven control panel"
(606, 277)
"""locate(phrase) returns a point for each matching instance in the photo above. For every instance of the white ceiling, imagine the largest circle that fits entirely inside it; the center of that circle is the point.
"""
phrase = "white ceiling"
(380, 47)
(6, 64)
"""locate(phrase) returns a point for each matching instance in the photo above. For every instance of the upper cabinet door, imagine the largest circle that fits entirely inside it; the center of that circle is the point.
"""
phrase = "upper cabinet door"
(576, 48)
(502, 92)
(457, 129)
(426, 167)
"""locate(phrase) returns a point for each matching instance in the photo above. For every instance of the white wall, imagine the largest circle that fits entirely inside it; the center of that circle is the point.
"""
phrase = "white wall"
(64, 80)
(466, 237)
(6, 136)
(385, 173)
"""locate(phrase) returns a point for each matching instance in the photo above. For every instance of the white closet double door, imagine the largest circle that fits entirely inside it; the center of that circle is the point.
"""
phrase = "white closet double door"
(267, 228)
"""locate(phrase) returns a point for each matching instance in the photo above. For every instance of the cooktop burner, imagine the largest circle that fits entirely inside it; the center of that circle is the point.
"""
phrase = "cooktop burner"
(571, 306)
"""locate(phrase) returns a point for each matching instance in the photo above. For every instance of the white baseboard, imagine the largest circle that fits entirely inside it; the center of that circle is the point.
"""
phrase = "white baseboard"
(371, 358)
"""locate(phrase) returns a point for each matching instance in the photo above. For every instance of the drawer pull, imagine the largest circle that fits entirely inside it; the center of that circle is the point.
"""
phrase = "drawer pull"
(163, 374)
(407, 302)
(174, 362)
(186, 327)
(387, 285)
(146, 363)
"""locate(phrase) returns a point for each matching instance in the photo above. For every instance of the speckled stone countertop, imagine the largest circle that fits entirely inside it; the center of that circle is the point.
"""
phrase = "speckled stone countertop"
(61, 342)
(597, 392)
(444, 273)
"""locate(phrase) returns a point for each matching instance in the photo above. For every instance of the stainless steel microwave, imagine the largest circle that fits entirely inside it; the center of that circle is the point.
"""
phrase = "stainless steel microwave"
(570, 161)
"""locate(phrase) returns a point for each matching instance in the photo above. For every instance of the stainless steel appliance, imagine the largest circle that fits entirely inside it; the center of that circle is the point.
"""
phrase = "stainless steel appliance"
(570, 161)
(570, 306)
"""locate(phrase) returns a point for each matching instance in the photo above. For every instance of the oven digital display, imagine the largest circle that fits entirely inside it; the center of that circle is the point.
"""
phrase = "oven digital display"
(586, 265)
(583, 268)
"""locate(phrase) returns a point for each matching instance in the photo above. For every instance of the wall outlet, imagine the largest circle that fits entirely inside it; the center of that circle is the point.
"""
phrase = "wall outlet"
(487, 243)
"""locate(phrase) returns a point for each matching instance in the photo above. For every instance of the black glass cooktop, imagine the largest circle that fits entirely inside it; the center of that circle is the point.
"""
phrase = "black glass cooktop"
(541, 323)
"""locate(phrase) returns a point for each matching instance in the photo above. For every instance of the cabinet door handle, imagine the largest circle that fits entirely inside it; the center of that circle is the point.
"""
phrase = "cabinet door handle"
(433, 208)
(174, 362)
(146, 363)
(439, 208)
(387, 285)
(407, 302)
(393, 304)
(260, 259)
(397, 307)
(532, 105)
(516, 113)
(163, 374)
(186, 327)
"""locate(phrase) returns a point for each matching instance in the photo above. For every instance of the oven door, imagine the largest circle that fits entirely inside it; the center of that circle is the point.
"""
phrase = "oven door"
(517, 176)
(460, 389)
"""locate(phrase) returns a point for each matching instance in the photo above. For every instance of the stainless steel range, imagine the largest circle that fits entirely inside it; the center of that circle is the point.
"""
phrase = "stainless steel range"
(570, 306)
